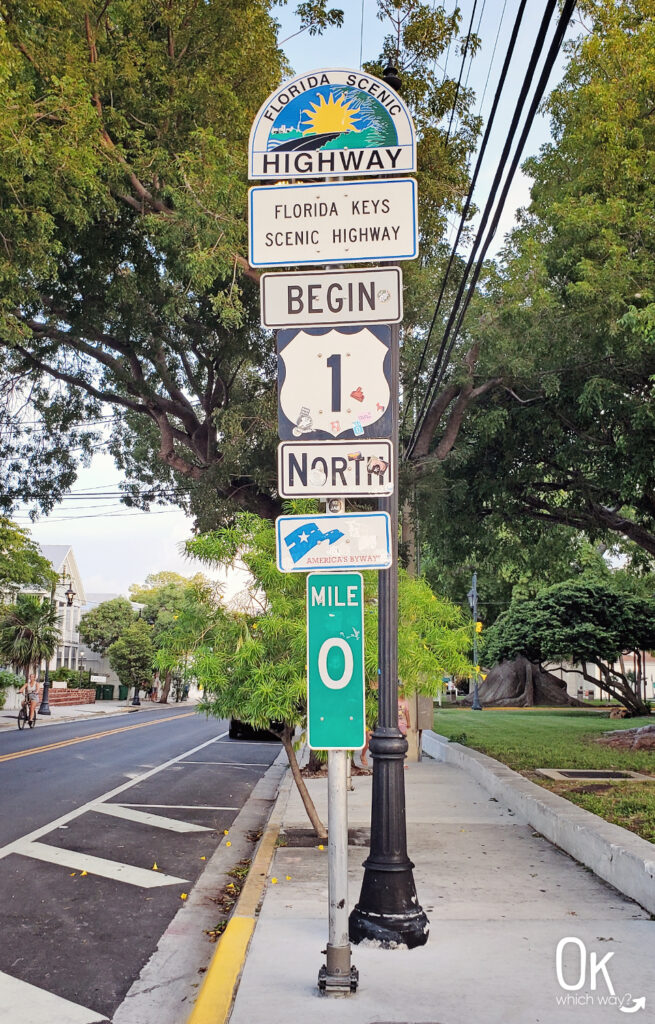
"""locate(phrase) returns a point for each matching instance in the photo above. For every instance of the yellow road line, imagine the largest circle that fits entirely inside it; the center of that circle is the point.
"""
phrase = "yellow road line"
(215, 997)
(85, 739)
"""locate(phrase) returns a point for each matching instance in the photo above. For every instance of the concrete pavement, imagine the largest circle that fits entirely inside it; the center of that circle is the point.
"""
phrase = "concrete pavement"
(500, 899)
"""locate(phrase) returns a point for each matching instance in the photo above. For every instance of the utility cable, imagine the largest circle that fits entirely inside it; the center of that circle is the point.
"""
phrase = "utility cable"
(467, 205)
(551, 57)
(461, 71)
(518, 111)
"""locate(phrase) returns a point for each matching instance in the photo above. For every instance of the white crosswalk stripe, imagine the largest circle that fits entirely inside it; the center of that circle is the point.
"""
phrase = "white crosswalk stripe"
(20, 1001)
(144, 818)
(96, 865)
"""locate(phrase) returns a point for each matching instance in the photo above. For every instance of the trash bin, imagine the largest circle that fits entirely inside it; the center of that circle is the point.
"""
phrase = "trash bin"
(122, 692)
(98, 692)
(107, 691)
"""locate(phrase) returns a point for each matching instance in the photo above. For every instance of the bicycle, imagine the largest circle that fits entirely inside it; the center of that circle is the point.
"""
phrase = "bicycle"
(24, 716)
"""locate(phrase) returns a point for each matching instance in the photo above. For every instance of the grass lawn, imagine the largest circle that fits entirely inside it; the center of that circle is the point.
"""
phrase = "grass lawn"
(529, 738)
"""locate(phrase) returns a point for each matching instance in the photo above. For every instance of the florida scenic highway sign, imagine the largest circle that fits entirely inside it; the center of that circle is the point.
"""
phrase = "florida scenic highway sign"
(344, 469)
(312, 298)
(330, 122)
(335, 660)
(334, 383)
(352, 540)
(333, 222)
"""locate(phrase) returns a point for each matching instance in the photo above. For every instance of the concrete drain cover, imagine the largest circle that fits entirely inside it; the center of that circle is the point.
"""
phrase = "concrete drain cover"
(566, 774)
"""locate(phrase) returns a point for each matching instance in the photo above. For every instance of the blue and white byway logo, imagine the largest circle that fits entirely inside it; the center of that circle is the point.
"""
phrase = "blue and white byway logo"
(354, 540)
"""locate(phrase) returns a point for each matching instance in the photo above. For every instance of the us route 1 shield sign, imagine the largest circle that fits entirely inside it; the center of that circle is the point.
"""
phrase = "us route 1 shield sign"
(330, 122)
(334, 383)
(333, 222)
(352, 540)
(335, 661)
(314, 298)
(341, 469)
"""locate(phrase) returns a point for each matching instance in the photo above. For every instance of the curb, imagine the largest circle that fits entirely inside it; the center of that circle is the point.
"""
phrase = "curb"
(216, 995)
(616, 855)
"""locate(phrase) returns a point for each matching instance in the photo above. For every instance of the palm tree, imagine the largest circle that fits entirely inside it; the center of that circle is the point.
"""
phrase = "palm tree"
(29, 632)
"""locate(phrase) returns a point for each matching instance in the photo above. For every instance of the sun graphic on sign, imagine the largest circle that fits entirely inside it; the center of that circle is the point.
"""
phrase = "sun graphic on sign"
(331, 116)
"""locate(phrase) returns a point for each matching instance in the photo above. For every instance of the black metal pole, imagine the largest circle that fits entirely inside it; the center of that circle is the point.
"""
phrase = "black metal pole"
(388, 909)
(476, 705)
(44, 706)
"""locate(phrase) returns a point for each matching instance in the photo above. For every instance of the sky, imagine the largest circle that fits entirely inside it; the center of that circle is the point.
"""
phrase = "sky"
(115, 546)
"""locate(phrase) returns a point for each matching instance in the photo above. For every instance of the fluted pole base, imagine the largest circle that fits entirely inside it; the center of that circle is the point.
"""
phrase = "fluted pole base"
(388, 910)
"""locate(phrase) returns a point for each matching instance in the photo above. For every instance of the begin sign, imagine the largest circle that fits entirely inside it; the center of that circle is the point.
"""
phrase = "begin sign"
(340, 297)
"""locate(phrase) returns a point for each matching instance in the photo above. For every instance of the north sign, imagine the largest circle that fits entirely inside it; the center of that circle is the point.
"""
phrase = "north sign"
(352, 540)
(339, 297)
(344, 469)
(334, 383)
(335, 661)
(333, 222)
(334, 121)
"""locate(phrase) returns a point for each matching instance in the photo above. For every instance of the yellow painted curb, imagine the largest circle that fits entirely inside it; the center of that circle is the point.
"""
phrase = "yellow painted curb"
(217, 992)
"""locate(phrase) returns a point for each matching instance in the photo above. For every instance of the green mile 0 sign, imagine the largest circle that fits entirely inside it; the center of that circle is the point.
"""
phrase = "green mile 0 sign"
(335, 660)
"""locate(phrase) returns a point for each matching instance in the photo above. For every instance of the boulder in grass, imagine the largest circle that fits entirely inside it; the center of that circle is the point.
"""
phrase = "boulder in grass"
(642, 738)
(522, 684)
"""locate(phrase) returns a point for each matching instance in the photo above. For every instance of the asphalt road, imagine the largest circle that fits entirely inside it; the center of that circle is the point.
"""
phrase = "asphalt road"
(86, 812)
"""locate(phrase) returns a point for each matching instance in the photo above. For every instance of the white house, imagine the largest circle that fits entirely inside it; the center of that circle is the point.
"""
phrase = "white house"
(62, 560)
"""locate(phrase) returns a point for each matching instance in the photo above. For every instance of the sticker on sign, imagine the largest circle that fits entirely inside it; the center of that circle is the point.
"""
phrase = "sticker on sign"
(353, 540)
(316, 298)
(333, 222)
(334, 383)
(343, 469)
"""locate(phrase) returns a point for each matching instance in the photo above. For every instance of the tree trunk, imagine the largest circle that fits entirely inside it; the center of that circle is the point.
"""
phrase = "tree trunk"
(529, 685)
(166, 690)
(308, 803)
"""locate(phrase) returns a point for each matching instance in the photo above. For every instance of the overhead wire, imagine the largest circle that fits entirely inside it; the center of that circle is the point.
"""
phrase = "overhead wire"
(461, 72)
(469, 197)
(457, 316)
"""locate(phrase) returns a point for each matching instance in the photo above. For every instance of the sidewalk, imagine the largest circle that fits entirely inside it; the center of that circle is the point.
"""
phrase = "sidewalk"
(84, 712)
(499, 898)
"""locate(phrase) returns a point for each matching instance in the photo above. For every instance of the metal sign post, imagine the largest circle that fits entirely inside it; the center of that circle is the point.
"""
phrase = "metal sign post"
(336, 721)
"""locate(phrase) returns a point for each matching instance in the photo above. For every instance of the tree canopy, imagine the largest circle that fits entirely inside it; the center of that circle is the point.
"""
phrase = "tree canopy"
(128, 305)
(545, 418)
(586, 622)
(29, 632)
(132, 655)
(104, 624)
(21, 562)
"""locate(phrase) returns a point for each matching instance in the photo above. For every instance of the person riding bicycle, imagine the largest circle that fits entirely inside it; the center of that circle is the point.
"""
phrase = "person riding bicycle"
(31, 691)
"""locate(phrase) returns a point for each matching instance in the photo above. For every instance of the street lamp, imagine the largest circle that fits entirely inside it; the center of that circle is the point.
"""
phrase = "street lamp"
(69, 594)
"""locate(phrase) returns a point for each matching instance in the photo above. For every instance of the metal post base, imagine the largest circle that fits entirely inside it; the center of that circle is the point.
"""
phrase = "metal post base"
(476, 705)
(388, 911)
(338, 976)
(44, 706)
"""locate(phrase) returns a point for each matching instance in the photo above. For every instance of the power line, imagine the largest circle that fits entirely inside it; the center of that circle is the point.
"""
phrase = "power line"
(439, 370)
(518, 110)
(493, 54)
(467, 205)
(461, 71)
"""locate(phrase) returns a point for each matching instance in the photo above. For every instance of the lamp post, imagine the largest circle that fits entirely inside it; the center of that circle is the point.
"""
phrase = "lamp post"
(473, 602)
(388, 910)
(69, 594)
